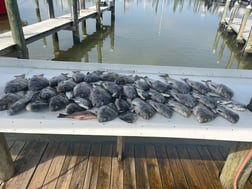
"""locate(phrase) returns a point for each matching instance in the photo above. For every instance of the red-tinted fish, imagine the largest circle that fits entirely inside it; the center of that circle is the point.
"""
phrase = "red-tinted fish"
(84, 115)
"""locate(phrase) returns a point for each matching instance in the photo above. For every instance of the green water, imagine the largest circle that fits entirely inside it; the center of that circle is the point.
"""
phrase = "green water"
(151, 32)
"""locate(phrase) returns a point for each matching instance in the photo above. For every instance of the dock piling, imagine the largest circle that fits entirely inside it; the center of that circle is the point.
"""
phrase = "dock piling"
(243, 24)
(51, 9)
(98, 17)
(76, 34)
(16, 28)
(248, 45)
(223, 21)
(232, 15)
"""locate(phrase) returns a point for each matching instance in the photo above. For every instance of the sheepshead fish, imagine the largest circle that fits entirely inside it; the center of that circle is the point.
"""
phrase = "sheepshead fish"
(205, 100)
(198, 86)
(92, 77)
(122, 105)
(36, 106)
(21, 103)
(142, 84)
(83, 115)
(163, 109)
(220, 89)
(37, 82)
(233, 104)
(114, 89)
(82, 89)
(186, 99)
(227, 114)
(109, 76)
(47, 93)
(156, 96)
(143, 109)
(66, 85)
(83, 102)
(203, 114)
(249, 106)
(8, 99)
(179, 108)
(54, 81)
(58, 102)
(73, 107)
(129, 91)
(100, 97)
(20, 83)
(180, 86)
(78, 76)
(106, 113)
(156, 84)
(142, 94)
(128, 117)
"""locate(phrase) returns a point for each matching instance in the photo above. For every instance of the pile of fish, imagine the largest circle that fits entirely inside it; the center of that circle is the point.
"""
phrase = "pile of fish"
(107, 95)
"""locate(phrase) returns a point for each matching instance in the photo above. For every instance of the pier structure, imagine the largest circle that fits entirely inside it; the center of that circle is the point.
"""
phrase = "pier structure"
(241, 26)
(18, 38)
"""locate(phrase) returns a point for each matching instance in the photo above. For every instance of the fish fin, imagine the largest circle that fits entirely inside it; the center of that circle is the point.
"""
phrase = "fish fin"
(61, 115)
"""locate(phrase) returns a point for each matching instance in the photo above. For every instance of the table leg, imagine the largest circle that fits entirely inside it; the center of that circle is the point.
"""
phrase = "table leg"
(6, 163)
(120, 146)
(233, 162)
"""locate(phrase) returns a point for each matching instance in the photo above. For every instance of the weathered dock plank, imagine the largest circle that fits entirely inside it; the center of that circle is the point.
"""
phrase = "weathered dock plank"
(44, 28)
(116, 171)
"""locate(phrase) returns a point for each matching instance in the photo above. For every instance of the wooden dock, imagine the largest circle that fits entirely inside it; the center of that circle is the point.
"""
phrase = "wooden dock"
(94, 165)
(47, 27)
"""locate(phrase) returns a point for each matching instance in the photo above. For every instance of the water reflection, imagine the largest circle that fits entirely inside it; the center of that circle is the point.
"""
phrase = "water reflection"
(151, 32)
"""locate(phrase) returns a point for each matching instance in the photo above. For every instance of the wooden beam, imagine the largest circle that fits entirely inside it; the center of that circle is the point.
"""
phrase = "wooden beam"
(76, 33)
(232, 16)
(120, 147)
(236, 155)
(223, 21)
(6, 163)
(239, 37)
(248, 45)
(16, 28)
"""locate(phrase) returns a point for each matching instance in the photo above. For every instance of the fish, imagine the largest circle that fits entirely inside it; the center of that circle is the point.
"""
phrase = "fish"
(74, 107)
(205, 100)
(82, 90)
(249, 105)
(220, 89)
(20, 104)
(122, 105)
(83, 115)
(106, 113)
(180, 108)
(83, 102)
(54, 81)
(227, 114)
(47, 93)
(156, 96)
(129, 91)
(125, 79)
(37, 82)
(6, 100)
(20, 83)
(198, 86)
(100, 97)
(163, 109)
(142, 94)
(92, 77)
(66, 85)
(78, 76)
(129, 117)
(203, 114)
(141, 84)
(232, 104)
(186, 99)
(156, 84)
(37, 106)
(114, 89)
(58, 102)
(180, 86)
(109, 76)
(143, 109)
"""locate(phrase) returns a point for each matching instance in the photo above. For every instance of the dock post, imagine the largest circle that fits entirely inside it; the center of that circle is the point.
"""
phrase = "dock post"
(223, 18)
(248, 44)
(112, 7)
(98, 17)
(51, 9)
(239, 37)
(76, 34)
(16, 28)
(236, 155)
(216, 40)
(233, 14)
(6, 164)
(120, 147)
(84, 24)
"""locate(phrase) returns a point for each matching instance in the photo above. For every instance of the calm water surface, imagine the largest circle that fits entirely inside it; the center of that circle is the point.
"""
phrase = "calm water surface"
(152, 32)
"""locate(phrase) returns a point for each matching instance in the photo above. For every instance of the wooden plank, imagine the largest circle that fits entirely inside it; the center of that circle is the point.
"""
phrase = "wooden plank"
(93, 167)
(56, 166)
(190, 173)
(210, 166)
(80, 168)
(217, 157)
(176, 167)
(165, 168)
(43, 167)
(104, 175)
(129, 174)
(152, 167)
(117, 171)
(200, 167)
(67, 169)
(142, 179)
(16, 149)
(26, 164)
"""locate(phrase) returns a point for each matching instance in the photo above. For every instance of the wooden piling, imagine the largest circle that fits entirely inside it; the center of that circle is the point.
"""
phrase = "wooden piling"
(51, 9)
(239, 37)
(6, 163)
(232, 16)
(112, 8)
(223, 18)
(234, 159)
(16, 28)
(98, 17)
(76, 34)
(120, 147)
(248, 45)
(216, 40)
